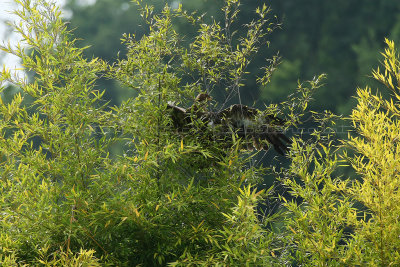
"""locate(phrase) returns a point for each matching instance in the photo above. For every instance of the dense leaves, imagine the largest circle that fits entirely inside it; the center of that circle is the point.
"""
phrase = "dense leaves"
(84, 183)
(160, 197)
(340, 38)
(349, 221)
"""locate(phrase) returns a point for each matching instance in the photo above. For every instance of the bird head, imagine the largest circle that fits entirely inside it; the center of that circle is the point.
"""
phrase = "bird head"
(200, 103)
(203, 97)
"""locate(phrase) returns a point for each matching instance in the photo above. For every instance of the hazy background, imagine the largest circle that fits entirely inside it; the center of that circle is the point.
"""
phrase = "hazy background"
(341, 38)
(6, 34)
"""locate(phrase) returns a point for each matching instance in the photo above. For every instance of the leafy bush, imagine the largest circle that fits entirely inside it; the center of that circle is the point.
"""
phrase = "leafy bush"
(350, 221)
(85, 184)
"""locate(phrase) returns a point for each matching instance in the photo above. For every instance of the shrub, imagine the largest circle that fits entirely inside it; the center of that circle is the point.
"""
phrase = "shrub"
(86, 184)
(349, 221)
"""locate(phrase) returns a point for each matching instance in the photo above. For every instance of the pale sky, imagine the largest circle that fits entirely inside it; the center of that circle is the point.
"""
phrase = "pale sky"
(5, 16)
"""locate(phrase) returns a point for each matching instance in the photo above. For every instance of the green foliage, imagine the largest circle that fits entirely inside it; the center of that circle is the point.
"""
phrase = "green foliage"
(197, 180)
(173, 199)
(350, 222)
(52, 156)
(338, 38)
(377, 123)
(241, 242)
(165, 198)
(315, 226)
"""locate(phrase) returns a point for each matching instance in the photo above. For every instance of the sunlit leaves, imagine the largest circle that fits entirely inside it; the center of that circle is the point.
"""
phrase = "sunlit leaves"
(350, 220)
(51, 152)
(69, 196)
(376, 121)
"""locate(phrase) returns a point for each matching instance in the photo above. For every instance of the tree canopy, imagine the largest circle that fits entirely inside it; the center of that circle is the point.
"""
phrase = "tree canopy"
(340, 38)
(85, 182)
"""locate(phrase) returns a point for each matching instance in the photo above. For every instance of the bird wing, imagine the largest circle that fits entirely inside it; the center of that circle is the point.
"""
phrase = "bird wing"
(175, 108)
(248, 123)
(238, 115)
(178, 116)
(251, 123)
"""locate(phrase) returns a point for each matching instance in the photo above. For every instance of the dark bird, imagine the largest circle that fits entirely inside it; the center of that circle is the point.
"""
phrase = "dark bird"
(200, 103)
(254, 127)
